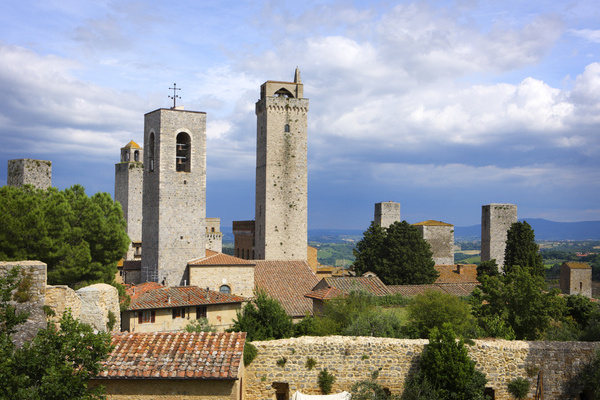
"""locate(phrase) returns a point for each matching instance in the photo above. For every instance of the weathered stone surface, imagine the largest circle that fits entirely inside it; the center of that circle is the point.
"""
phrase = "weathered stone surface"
(26, 171)
(60, 298)
(496, 219)
(96, 302)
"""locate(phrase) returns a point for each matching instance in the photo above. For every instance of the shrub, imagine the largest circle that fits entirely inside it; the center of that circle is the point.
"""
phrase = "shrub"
(325, 381)
(518, 388)
(200, 325)
(310, 363)
(281, 362)
(250, 353)
(112, 320)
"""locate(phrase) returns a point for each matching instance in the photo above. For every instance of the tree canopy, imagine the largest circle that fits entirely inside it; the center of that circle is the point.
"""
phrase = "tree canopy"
(398, 255)
(521, 249)
(80, 238)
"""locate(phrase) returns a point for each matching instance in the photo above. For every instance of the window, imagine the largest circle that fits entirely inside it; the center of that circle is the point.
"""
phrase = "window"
(151, 153)
(179, 312)
(146, 316)
(183, 152)
(286, 128)
(136, 156)
(225, 289)
(201, 312)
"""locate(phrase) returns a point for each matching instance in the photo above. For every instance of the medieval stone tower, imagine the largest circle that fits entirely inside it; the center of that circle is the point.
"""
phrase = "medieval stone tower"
(281, 172)
(26, 171)
(174, 200)
(387, 213)
(129, 177)
(496, 219)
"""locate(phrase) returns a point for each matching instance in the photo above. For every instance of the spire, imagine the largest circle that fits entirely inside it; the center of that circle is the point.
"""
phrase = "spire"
(297, 76)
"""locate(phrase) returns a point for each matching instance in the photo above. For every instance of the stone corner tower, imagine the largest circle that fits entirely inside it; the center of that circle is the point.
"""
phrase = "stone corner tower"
(25, 171)
(281, 171)
(129, 177)
(386, 213)
(174, 199)
(496, 220)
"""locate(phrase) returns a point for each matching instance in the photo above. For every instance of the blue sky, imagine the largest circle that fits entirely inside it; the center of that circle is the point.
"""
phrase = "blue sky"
(442, 106)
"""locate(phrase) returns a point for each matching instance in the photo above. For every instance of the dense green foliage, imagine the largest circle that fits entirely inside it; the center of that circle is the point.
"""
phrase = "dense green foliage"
(263, 318)
(489, 268)
(518, 388)
(200, 325)
(398, 255)
(434, 309)
(446, 364)
(250, 353)
(56, 364)
(522, 250)
(325, 381)
(80, 238)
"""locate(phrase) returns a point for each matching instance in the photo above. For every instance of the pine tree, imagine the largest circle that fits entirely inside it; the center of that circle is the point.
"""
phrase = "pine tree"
(521, 249)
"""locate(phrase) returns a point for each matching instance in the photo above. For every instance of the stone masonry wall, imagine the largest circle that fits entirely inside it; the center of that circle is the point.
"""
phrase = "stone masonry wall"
(441, 240)
(351, 359)
(387, 213)
(26, 171)
(129, 177)
(496, 219)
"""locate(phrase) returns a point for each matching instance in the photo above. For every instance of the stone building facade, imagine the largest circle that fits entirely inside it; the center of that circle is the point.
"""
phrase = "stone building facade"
(174, 199)
(25, 171)
(496, 220)
(351, 359)
(440, 237)
(243, 233)
(386, 213)
(576, 278)
(281, 171)
(129, 185)
(223, 273)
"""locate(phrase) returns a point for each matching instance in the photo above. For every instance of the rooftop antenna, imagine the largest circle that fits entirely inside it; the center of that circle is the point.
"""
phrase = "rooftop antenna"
(175, 96)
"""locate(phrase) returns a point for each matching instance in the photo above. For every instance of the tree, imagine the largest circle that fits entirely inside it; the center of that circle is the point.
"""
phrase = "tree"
(398, 255)
(434, 309)
(447, 365)
(263, 319)
(521, 249)
(56, 364)
(489, 268)
(80, 238)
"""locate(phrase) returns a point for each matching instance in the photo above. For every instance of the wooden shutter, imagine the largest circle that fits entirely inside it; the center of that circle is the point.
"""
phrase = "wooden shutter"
(152, 316)
(140, 317)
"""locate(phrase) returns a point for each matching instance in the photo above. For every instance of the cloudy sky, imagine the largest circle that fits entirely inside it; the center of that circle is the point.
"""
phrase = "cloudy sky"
(443, 106)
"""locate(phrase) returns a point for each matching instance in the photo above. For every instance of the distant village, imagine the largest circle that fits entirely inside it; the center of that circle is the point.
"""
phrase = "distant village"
(175, 271)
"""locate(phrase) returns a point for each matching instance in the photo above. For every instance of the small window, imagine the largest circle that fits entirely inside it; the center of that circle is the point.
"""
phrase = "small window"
(183, 152)
(126, 156)
(286, 128)
(201, 312)
(136, 156)
(146, 316)
(151, 153)
(225, 289)
(179, 312)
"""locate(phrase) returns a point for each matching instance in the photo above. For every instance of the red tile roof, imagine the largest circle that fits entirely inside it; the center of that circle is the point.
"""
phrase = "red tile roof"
(181, 296)
(174, 355)
(461, 273)
(288, 282)
(456, 289)
(346, 284)
(325, 293)
(214, 258)
(136, 291)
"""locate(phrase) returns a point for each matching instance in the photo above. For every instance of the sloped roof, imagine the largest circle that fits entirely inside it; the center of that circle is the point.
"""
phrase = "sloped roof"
(325, 293)
(456, 289)
(432, 222)
(181, 296)
(132, 145)
(132, 265)
(346, 284)
(287, 282)
(215, 258)
(577, 265)
(136, 291)
(174, 355)
(461, 273)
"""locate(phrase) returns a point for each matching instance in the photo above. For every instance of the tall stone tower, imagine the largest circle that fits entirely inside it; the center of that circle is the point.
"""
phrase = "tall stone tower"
(26, 171)
(174, 200)
(387, 213)
(281, 172)
(129, 178)
(496, 220)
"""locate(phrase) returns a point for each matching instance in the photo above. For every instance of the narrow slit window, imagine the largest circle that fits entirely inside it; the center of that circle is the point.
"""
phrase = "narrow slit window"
(151, 153)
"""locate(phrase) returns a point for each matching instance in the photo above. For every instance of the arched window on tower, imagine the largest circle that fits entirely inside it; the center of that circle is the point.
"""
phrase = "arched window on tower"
(286, 128)
(151, 153)
(136, 156)
(183, 152)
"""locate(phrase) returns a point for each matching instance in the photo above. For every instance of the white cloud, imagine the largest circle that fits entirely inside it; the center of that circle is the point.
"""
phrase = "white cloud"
(591, 35)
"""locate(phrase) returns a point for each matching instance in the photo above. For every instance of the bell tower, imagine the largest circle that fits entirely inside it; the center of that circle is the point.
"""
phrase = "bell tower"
(281, 171)
(174, 200)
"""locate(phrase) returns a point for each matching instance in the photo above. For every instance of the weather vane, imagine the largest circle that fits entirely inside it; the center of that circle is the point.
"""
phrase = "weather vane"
(175, 96)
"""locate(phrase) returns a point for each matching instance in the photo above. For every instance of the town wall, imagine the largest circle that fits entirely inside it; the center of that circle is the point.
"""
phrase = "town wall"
(496, 220)
(25, 171)
(386, 213)
(351, 359)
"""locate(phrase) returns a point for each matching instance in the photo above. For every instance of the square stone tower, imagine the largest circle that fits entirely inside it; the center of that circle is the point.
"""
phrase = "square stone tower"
(440, 237)
(576, 278)
(387, 213)
(281, 172)
(26, 171)
(174, 199)
(129, 178)
(496, 220)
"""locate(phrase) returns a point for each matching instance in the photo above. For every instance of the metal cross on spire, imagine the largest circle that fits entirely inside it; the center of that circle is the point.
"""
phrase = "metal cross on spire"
(175, 96)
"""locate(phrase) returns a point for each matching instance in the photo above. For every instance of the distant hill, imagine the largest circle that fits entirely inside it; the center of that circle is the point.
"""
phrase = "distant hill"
(544, 230)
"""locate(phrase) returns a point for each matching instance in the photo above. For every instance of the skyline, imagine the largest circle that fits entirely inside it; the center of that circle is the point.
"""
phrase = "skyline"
(441, 106)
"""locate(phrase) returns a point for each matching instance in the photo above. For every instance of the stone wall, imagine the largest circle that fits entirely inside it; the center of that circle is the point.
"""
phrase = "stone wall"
(440, 237)
(387, 213)
(25, 171)
(96, 303)
(239, 278)
(351, 359)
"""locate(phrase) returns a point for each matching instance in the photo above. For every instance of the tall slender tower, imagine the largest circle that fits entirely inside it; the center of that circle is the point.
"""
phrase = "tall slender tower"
(281, 172)
(387, 213)
(129, 177)
(174, 204)
(496, 220)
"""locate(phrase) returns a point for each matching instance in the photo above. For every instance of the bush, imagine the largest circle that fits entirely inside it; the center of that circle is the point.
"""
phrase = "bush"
(518, 388)
(199, 325)
(325, 381)
(250, 353)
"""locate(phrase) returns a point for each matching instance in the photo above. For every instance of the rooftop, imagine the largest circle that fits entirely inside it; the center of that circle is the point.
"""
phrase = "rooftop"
(181, 296)
(433, 223)
(214, 258)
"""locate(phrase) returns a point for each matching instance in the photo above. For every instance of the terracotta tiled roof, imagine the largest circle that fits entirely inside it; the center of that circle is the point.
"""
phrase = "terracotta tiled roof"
(136, 291)
(578, 265)
(288, 282)
(433, 223)
(214, 258)
(325, 293)
(175, 355)
(346, 284)
(181, 296)
(461, 273)
(456, 289)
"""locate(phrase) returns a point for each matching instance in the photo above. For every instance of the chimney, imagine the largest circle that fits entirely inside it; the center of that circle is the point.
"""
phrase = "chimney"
(207, 293)
(168, 299)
